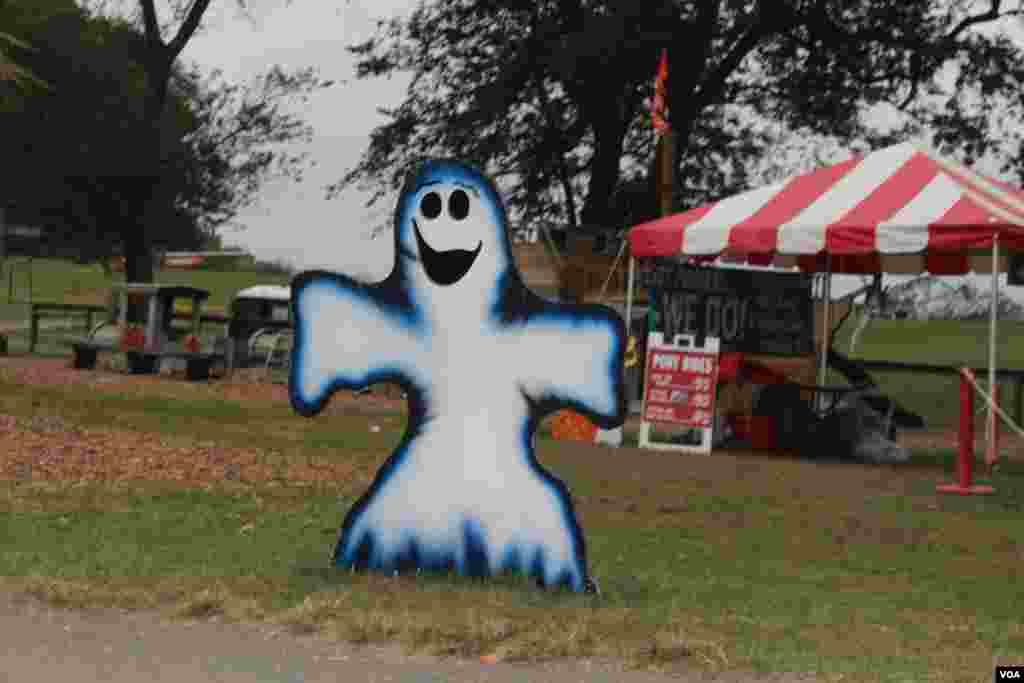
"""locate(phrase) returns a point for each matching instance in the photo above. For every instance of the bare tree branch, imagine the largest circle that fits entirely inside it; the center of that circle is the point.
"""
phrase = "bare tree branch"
(188, 27)
(819, 21)
(151, 25)
(991, 15)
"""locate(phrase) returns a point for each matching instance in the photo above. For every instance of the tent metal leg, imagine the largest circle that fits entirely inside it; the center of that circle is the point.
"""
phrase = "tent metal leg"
(629, 294)
(826, 330)
(992, 338)
(630, 283)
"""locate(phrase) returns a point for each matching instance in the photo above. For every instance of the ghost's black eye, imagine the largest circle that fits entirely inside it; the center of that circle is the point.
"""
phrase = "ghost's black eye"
(431, 206)
(458, 205)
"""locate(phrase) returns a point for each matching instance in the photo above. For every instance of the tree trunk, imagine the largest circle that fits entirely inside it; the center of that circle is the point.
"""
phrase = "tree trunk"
(604, 172)
(684, 115)
(138, 249)
(138, 257)
(136, 238)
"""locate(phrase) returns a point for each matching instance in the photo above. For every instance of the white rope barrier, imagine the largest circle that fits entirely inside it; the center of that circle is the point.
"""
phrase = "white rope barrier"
(992, 404)
(611, 272)
(552, 246)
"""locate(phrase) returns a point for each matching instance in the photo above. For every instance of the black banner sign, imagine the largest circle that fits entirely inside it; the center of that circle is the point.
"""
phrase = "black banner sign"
(748, 310)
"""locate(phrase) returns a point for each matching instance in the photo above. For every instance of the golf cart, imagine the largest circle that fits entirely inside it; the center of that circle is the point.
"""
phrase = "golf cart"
(260, 322)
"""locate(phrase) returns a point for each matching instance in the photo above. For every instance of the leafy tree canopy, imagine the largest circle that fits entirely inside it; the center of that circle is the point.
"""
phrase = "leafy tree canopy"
(15, 78)
(78, 146)
(550, 96)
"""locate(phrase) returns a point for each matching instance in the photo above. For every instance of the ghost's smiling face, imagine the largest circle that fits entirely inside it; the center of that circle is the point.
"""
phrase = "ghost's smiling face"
(451, 238)
(446, 223)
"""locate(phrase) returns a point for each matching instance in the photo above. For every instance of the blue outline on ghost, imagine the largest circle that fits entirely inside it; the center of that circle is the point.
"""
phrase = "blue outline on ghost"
(395, 309)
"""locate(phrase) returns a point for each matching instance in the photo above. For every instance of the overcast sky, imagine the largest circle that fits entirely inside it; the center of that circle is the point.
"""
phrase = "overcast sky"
(292, 221)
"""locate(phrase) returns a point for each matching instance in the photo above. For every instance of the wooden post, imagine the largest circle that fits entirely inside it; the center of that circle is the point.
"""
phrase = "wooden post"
(153, 333)
(197, 317)
(3, 254)
(666, 170)
(3, 238)
(33, 333)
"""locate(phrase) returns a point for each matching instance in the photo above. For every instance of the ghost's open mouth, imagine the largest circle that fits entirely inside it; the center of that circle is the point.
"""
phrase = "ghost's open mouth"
(445, 267)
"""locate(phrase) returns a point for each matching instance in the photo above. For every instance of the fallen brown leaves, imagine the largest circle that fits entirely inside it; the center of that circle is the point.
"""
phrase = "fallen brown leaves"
(244, 386)
(44, 372)
(47, 449)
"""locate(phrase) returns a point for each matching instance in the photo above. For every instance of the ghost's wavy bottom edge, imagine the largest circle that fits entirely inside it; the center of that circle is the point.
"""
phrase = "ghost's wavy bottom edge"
(468, 561)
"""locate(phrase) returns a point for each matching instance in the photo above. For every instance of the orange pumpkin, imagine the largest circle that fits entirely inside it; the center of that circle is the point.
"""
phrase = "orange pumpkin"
(571, 426)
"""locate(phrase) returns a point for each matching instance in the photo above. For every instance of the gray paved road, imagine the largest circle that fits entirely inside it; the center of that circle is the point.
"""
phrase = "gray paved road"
(40, 643)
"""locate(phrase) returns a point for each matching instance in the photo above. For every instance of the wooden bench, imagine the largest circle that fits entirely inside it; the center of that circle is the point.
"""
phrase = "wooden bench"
(47, 309)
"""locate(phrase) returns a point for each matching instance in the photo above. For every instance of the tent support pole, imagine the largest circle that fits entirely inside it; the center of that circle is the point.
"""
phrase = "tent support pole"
(630, 280)
(629, 294)
(825, 330)
(992, 337)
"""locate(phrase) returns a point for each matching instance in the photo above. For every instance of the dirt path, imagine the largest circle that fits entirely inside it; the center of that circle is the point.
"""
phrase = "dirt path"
(42, 643)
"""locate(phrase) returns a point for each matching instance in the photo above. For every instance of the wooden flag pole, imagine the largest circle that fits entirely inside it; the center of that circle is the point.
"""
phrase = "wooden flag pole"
(666, 171)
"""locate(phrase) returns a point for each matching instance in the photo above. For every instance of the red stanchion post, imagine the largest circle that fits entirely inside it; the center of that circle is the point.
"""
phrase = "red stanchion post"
(965, 464)
(965, 459)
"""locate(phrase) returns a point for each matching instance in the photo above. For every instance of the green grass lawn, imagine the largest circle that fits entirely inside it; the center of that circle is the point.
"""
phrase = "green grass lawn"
(937, 342)
(940, 342)
(56, 280)
(723, 563)
(718, 563)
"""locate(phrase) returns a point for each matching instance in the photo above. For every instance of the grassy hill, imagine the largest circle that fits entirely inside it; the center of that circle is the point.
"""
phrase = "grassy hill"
(937, 342)
(942, 342)
(54, 280)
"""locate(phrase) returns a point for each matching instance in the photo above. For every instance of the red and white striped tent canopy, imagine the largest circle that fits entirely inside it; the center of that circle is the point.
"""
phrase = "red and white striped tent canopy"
(897, 210)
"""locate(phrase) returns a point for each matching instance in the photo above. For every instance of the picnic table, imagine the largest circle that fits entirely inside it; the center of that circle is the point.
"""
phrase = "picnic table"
(146, 345)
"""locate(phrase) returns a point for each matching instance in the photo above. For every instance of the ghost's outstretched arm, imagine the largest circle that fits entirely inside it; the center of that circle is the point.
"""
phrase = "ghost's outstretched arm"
(347, 336)
(573, 357)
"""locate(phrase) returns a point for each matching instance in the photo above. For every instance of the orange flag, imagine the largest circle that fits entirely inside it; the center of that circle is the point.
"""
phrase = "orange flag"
(659, 108)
